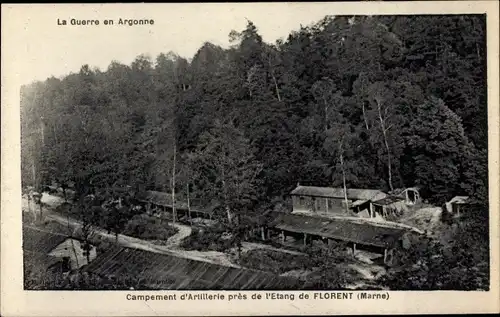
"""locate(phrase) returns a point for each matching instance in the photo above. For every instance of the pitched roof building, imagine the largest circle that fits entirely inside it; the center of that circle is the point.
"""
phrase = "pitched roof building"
(51, 248)
(338, 193)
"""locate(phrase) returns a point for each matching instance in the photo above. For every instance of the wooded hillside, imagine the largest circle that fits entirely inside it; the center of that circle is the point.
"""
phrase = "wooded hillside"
(387, 101)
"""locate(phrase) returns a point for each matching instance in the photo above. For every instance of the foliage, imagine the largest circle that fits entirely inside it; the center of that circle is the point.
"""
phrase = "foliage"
(149, 228)
(330, 261)
(447, 264)
(341, 70)
(211, 238)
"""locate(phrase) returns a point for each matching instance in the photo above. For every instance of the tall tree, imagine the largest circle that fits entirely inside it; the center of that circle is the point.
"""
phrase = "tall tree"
(226, 160)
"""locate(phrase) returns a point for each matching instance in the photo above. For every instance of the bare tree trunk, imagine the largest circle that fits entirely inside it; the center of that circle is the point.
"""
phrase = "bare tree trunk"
(274, 79)
(32, 211)
(326, 113)
(276, 86)
(42, 131)
(386, 143)
(174, 212)
(55, 133)
(189, 206)
(29, 204)
(33, 171)
(343, 174)
(72, 242)
(224, 190)
(87, 249)
(41, 210)
(364, 117)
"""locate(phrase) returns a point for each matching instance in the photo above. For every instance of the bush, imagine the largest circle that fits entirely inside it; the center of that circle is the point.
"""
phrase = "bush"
(209, 239)
(148, 227)
(101, 243)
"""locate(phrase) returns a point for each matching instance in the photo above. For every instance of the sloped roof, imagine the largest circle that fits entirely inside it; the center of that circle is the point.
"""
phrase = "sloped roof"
(388, 200)
(163, 271)
(39, 260)
(165, 199)
(41, 241)
(37, 245)
(329, 192)
(400, 191)
(459, 200)
(340, 229)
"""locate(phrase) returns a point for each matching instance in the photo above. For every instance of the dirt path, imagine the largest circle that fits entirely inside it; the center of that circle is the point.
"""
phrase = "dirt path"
(175, 240)
(131, 242)
(172, 245)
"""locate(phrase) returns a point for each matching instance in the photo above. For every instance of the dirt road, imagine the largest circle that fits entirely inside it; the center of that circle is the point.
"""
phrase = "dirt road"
(172, 245)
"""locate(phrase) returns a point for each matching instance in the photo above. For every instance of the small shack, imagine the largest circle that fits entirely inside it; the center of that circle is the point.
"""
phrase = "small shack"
(73, 252)
(58, 251)
(411, 195)
(457, 204)
(389, 207)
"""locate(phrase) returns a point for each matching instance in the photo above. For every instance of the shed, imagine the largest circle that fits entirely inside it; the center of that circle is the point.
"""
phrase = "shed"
(411, 195)
(331, 192)
(456, 205)
(52, 248)
(390, 206)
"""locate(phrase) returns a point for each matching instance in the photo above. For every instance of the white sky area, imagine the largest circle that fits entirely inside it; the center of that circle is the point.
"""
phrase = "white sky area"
(46, 49)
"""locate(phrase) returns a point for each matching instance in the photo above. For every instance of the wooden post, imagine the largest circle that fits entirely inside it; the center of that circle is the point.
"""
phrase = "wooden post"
(189, 206)
(353, 249)
(305, 238)
(385, 256)
(283, 237)
(263, 233)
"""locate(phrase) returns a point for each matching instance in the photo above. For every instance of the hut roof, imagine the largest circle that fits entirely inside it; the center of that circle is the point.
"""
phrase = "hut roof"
(459, 200)
(41, 241)
(37, 244)
(165, 199)
(388, 200)
(340, 229)
(329, 192)
(164, 271)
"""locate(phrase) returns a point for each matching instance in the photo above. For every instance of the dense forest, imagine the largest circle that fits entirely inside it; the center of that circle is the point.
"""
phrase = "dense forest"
(402, 100)
(381, 102)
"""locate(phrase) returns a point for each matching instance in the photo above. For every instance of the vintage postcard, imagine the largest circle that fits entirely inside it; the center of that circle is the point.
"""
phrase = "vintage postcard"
(250, 158)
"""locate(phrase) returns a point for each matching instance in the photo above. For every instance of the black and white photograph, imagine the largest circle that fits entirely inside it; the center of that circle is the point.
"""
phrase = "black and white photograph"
(316, 152)
(350, 154)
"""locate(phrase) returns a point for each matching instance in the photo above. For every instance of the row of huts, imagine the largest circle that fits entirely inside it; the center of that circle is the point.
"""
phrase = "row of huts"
(355, 216)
